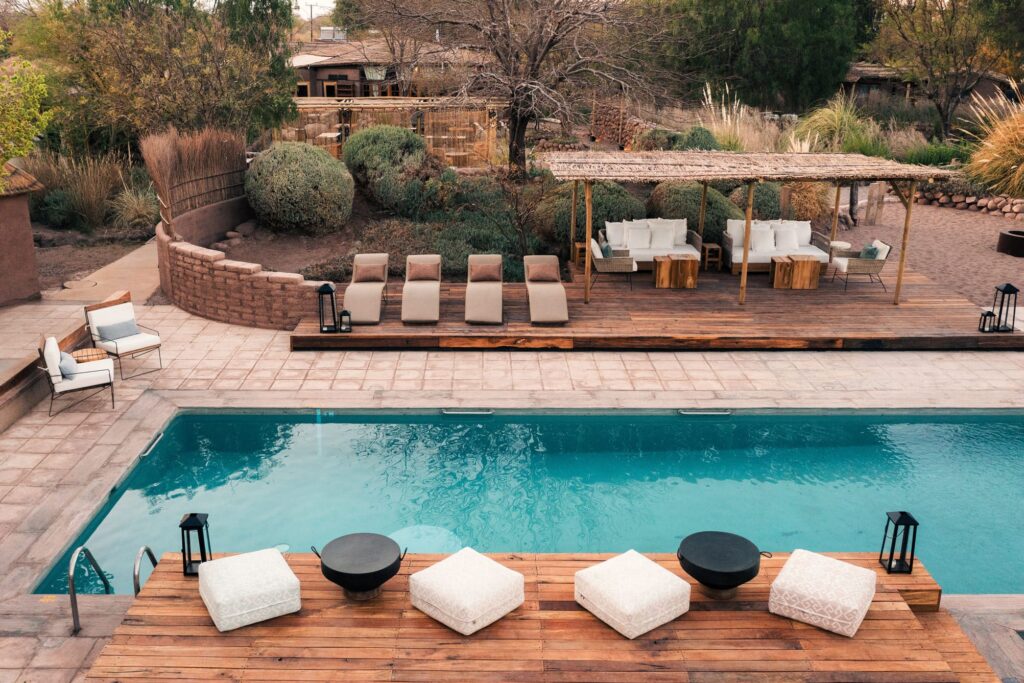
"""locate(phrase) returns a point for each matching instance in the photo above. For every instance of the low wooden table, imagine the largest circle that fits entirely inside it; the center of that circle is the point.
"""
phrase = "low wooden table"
(712, 255)
(806, 272)
(89, 355)
(684, 271)
(662, 270)
(780, 272)
(579, 251)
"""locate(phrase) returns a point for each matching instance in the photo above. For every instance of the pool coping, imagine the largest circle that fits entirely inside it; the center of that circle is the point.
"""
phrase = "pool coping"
(139, 427)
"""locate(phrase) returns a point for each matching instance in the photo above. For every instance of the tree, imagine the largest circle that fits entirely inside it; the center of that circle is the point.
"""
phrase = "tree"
(535, 55)
(22, 90)
(1004, 20)
(349, 15)
(941, 44)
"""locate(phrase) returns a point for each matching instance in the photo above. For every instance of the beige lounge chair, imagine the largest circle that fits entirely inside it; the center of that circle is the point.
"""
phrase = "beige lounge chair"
(421, 295)
(368, 287)
(548, 305)
(484, 290)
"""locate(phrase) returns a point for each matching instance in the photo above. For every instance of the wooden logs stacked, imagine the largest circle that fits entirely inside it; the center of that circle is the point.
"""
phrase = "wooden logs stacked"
(612, 123)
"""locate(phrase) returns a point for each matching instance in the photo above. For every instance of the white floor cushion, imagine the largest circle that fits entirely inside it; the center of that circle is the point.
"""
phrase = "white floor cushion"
(823, 592)
(248, 588)
(632, 594)
(466, 591)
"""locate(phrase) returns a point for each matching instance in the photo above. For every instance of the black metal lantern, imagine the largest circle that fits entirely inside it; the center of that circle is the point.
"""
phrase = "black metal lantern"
(1004, 305)
(987, 322)
(194, 524)
(328, 305)
(345, 322)
(904, 531)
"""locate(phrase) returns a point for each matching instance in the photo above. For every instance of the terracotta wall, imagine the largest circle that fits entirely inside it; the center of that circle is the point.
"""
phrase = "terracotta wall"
(20, 278)
(205, 282)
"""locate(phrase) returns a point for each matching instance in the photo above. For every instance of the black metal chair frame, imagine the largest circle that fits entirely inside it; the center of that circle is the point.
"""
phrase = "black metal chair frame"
(119, 356)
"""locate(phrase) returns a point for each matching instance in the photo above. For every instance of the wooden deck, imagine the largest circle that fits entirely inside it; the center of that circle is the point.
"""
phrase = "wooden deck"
(167, 634)
(931, 317)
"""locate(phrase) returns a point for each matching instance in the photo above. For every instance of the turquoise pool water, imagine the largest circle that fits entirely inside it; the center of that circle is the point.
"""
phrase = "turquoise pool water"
(586, 483)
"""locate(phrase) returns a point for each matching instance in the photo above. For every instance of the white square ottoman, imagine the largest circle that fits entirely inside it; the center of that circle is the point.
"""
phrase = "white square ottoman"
(823, 592)
(632, 594)
(466, 591)
(244, 589)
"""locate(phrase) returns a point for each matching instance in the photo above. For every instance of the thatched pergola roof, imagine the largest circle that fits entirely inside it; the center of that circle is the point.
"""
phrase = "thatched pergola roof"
(742, 166)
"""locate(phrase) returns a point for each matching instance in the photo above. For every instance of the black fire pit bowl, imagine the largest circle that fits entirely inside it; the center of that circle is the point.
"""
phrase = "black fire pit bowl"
(360, 563)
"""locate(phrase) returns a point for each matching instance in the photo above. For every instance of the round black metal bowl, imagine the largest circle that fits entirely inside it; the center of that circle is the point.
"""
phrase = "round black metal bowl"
(719, 561)
(360, 563)
(1011, 242)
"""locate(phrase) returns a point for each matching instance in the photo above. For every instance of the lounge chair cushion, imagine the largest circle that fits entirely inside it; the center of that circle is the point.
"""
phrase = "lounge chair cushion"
(483, 302)
(547, 302)
(822, 591)
(632, 593)
(248, 588)
(142, 340)
(883, 249)
(841, 263)
(544, 271)
(51, 356)
(362, 300)
(68, 365)
(91, 374)
(421, 301)
(110, 315)
(466, 591)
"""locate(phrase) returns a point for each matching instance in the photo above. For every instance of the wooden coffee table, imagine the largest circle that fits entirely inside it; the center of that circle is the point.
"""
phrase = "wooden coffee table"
(684, 271)
(662, 270)
(780, 272)
(806, 272)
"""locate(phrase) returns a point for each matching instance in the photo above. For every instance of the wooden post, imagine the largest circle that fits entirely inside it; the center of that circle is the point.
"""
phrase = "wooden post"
(588, 197)
(703, 209)
(746, 243)
(835, 215)
(572, 217)
(908, 203)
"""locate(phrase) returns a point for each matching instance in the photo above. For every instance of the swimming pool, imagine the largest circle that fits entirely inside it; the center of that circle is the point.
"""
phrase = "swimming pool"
(578, 483)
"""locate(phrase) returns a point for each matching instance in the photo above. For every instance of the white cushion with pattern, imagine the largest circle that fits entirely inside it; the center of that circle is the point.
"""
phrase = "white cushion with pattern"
(466, 591)
(822, 591)
(632, 593)
(248, 588)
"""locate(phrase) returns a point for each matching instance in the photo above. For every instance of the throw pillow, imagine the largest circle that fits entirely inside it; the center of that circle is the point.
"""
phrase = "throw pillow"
(546, 271)
(869, 252)
(368, 272)
(785, 238)
(114, 331)
(762, 239)
(485, 272)
(68, 365)
(663, 237)
(606, 250)
(883, 249)
(616, 234)
(423, 271)
(638, 238)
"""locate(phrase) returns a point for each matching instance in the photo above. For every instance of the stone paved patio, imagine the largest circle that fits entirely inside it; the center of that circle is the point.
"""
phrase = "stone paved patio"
(55, 472)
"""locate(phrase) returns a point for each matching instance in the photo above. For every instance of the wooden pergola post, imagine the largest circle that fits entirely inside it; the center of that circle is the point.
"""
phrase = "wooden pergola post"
(746, 243)
(703, 209)
(835, 215)
(572, 217)
(908, 203)
(588, 199)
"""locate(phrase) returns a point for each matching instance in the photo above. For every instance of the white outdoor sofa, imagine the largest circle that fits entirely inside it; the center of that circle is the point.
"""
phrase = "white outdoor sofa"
(644, 239)
(771, 238)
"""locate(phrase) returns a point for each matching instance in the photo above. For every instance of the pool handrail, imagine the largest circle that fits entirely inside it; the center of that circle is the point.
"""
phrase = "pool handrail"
(72, 593)
(144, 550)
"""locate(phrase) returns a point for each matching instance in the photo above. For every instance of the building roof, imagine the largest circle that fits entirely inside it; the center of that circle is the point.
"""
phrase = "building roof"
(742, 166)
(14, 181)
(371, 50)
(873, 71)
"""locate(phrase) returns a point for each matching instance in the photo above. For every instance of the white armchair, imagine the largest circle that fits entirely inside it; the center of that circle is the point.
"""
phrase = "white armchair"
(97, 374)
(113, 328)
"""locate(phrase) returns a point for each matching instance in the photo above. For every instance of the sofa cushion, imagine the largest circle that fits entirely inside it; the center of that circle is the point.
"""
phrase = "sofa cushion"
(680, 229)
(785, 238)
(762, 239)
(466, 591)
(883, 249)
(632, 593)
(616, 234)
(822, 591)
(596, 249)
(638, 237)
(802, 228)
(248, 588)
(663, 237)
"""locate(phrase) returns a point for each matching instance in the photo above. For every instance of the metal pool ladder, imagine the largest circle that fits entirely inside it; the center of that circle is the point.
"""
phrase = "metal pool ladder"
(72, 593)
(144, 550)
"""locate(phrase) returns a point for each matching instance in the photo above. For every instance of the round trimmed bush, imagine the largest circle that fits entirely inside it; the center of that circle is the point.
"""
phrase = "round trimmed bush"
(389, 161)
(611, 202)
(682, 200)
(767, 198)
(299, 188)
(697, 137)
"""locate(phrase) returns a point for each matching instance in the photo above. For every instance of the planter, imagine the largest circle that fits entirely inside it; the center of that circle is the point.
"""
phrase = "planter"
(1011, 242)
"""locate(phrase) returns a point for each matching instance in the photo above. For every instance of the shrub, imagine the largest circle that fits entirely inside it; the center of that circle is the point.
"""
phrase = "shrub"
(697, 137)
(766, 200)
(394, 236)
(295, 187)
(867, 141)
(809, 201)
(657, 139)
(611, 202)
(58, 212)
(682, 200)
(135, 212)
(839, 127)
(89, 183)
(392, 163)
(934, 154)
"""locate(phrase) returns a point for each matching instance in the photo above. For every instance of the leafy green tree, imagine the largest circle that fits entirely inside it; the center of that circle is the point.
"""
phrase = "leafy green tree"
(22, 90)
(349, 15)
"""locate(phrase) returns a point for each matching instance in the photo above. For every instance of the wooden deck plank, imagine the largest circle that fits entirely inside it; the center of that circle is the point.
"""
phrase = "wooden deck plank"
(931, 317)
(167, 634)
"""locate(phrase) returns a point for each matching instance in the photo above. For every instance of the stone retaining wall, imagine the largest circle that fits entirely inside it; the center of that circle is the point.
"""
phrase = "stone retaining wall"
(205, 282)
(1000, 205)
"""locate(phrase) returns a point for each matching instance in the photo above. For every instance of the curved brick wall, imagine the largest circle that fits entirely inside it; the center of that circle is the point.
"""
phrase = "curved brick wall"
(204, 282)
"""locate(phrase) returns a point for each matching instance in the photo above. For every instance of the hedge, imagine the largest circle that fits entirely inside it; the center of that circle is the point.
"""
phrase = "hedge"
(675, 199)
(697, 138)
(611, 202)
(298, 188)
(393, 165)
(767, 200)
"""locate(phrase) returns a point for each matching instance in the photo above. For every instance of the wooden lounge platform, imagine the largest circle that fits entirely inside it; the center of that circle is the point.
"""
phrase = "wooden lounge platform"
(931, 317)
(167, 634)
